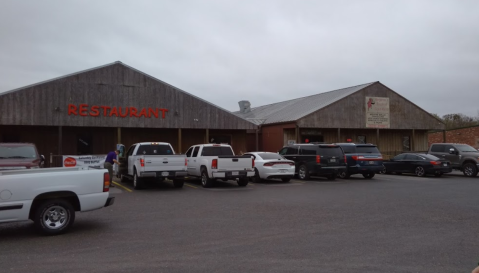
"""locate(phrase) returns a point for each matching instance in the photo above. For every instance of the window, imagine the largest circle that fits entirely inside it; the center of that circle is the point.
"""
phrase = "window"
(465, 148)
(414, 157)
(18, 151)
(130, 151)
(270, 156)
(213, 151)
(289, 151)
(362, 139)
(154, 150)
(437, 148)
(195, 151)
(84, 145)
(399, 157)
(367, 149)
(331, 151)
(406, 143)
(349, 149)
(307, 150)
(189, 152)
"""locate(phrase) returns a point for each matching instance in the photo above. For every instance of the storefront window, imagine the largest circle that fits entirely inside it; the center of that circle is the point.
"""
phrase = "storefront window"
(406, 143)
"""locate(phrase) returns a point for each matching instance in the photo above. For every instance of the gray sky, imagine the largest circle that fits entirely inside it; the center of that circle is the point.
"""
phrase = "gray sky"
(263, 51)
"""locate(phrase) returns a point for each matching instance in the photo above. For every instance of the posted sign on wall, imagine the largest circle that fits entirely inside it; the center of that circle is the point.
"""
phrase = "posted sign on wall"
(377, 112)
(83, 160)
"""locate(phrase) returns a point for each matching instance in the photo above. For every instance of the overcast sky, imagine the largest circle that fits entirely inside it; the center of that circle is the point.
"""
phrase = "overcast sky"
(262, 51)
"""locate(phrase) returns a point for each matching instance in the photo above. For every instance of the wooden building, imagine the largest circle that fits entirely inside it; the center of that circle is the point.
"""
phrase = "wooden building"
(89, 112)
(368, 113)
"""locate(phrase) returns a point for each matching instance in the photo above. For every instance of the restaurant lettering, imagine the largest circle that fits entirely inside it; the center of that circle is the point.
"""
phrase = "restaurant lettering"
(107, 111)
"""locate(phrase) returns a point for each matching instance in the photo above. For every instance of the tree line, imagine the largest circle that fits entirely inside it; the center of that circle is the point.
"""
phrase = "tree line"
(453, 121)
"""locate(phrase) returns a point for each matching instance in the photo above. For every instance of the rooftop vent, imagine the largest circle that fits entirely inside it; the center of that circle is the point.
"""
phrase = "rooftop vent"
(245, 106)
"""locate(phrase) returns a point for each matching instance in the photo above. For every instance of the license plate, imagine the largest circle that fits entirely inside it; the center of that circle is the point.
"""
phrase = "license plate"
(234, 173)
(282, 171)
(165, 173)
(444, 164)
(332, 160)
(371, 162)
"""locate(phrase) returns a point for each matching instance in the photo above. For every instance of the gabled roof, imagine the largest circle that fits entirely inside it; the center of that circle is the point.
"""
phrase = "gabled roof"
(295, 109)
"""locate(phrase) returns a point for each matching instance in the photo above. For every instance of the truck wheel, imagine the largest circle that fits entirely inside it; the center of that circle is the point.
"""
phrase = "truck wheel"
(303, 172)
(383, 170)
(54, 217)
(242, 182)
(286, 179)
(206, 182)
(178, 183)
(137, 182)
(368, 175)
(419, 171)
(256, 177)
(344, 175)
(470, 170)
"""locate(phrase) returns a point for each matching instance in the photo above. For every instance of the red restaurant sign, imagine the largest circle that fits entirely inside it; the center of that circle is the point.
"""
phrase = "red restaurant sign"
(107, 111)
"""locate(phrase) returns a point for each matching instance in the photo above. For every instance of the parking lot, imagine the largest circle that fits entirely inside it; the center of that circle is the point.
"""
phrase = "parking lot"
(386, 224)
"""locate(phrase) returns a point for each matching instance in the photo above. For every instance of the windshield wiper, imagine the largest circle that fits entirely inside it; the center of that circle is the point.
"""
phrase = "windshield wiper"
(17, 156)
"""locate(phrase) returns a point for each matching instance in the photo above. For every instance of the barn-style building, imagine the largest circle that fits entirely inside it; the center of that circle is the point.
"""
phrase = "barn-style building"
(89, 112)
(367, 113)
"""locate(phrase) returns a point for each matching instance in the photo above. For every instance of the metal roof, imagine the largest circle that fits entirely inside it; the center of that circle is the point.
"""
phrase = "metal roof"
(295, 109)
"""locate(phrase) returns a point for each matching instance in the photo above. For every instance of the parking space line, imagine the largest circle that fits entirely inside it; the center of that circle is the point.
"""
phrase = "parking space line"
(191, 186)
(123, 187)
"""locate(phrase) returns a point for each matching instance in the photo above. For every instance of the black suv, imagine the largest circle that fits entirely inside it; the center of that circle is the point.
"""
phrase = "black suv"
(316, 159)
(362, 158)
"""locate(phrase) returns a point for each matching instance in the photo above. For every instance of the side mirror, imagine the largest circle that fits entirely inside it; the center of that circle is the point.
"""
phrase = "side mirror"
(452, 151)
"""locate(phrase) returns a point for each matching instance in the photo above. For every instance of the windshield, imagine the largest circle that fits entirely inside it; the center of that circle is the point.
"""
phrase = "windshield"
(270, 156)
(330, 151)
(367, 149)
(154, 150)
(213, 151)
(465, 148)
(18, 152)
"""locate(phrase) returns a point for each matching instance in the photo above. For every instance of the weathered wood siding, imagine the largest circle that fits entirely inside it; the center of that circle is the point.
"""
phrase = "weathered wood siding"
(273, 136)
(115, 85)
(350, 112)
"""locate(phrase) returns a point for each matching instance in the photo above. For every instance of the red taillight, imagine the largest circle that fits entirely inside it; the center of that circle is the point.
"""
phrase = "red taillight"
(142, 162)
(268, 164)
(214, 164)
(252, 159)
(106, 182)
(435, 162)
(318, 159)
(186, 161)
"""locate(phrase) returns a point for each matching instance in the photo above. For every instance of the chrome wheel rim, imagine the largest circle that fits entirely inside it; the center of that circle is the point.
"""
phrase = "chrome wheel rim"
(203, 179)
(55, 217)
(302, 172)
(419, 171)
(468, 171)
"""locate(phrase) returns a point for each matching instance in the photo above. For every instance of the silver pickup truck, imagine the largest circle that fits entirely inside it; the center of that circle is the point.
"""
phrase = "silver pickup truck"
(152, 161)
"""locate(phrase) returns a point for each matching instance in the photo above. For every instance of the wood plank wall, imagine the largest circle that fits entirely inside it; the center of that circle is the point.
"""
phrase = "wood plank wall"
(115, 85)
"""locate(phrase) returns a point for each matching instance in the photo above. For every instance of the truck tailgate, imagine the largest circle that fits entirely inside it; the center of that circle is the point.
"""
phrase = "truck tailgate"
(234, 163)
(158, 163)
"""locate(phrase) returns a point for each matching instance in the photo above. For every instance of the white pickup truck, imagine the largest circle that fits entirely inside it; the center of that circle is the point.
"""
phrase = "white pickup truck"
(51, 196)
(154, 161)
(218, 161)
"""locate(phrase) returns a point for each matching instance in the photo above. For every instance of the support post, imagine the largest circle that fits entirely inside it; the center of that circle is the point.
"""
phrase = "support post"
(413, 142)
(60, 140)
(297, 134)
(179, 140)
(207, 136)
(377, 137)
(339, 135)
(119, 135)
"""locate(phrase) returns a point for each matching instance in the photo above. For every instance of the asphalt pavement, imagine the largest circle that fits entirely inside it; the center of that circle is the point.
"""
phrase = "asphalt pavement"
(386, 224)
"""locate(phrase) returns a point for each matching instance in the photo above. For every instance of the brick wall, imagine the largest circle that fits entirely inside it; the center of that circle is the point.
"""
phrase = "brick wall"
(466, 135)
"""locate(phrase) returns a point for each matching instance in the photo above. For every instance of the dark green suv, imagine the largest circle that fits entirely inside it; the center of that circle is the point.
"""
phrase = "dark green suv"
(316, 159)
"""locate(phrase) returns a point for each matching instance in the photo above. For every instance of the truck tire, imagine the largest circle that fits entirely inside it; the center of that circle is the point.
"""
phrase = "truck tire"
(242, 182)
(303, 172)
(470, 170)
(54, 217)
(137, 181)
(419, 171)
(256, 177)
(368, 175)
(344, 175)
(178, 183)
(206, 182)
